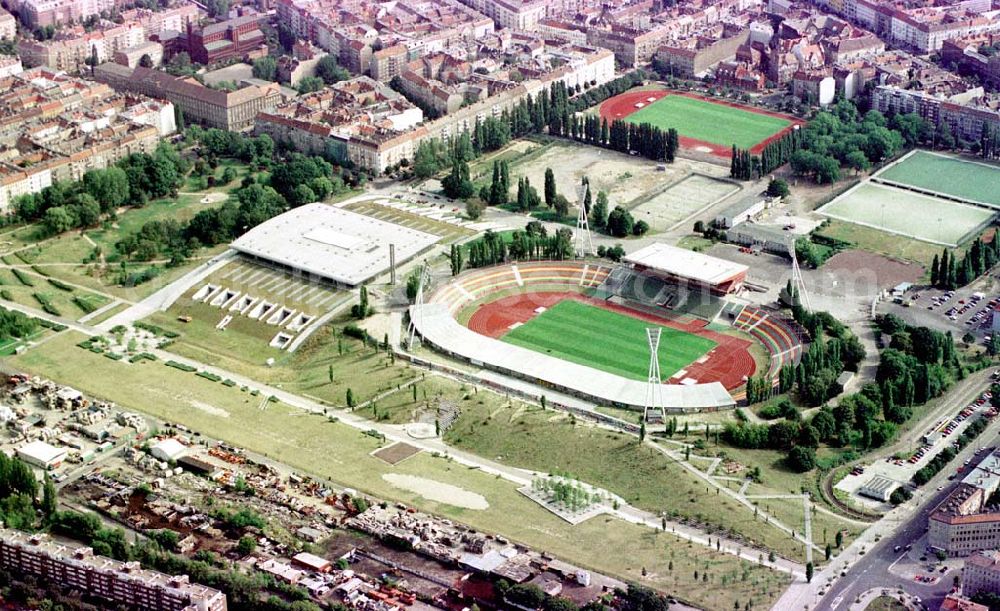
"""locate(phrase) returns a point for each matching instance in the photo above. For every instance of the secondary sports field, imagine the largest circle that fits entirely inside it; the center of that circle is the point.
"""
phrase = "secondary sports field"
(966, 179)
(907, 213)
(700, 122)
(606, 340)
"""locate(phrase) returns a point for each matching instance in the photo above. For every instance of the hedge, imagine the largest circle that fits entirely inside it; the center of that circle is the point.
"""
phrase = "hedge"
(155, 330)
(142, 356)
(59, 284)
(5, 294)
(114, 356)
(181, 366)
(46, 304)
(83, 304)
(209, 376)
(228, 382)
(22, 277)
(39, 271)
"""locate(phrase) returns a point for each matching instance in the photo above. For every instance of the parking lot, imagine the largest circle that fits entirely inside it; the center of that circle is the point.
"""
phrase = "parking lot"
(901, 466)
(966, 310)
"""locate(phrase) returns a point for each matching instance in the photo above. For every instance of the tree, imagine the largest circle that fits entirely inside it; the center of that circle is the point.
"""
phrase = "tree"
(620, 222)
(412, 285)
(599, 213)
(50, 501)
(246, 545)
(265, 68)
(550, 188)
(361, 309)
(330, 71)
(777, 187)
(828, 552)
(561, 206)
(217, 8)
(146, 61)
(640, 228)
(458, 185)
(350, 398)
(58, 220)
(801, 459)
(809, 572)
(309, 84)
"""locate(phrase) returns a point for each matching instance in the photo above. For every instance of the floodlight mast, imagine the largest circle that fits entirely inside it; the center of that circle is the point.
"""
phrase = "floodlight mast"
(583, 243)
(654, 408)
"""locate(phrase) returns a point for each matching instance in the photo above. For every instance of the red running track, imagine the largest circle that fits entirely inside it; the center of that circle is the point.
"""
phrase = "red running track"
(622, 105)
(729, 362)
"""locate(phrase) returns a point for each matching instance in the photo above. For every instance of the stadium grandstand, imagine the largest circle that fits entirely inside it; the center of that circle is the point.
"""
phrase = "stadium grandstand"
(683, 267)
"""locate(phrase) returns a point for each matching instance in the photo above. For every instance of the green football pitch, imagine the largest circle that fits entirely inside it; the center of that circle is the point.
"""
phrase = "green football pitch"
(606, 340)
(953, 176)
(709, 122)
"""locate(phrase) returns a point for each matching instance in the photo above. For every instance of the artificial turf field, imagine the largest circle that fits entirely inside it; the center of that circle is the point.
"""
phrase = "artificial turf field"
(953, 176)
(709, 122)
(605, 340)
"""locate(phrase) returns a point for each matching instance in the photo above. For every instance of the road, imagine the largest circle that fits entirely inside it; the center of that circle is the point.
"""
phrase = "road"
(865, 563)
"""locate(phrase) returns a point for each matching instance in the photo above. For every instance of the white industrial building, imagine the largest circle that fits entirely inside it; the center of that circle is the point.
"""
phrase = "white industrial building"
(42, 455)
(168, 450)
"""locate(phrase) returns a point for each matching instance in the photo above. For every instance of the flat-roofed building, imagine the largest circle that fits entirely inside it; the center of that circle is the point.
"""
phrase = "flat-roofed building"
(42, 455)
(331, 244)
(688, 267)
(124, 583)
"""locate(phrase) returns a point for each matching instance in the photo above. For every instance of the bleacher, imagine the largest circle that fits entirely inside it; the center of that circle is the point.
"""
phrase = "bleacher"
(477, 285)
(780, 336)
(627, 286)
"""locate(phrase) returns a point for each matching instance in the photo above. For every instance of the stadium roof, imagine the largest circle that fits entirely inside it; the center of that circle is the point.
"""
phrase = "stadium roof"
(333, 243)
(685, 263)
(437, 326)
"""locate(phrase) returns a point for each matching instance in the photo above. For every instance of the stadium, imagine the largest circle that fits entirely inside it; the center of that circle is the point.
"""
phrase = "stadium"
(579, 328)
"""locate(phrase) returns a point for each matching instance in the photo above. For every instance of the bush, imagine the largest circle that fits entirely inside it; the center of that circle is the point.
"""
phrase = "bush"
(84, 305)
(5, 295)
(900, 495)
(181, 366)
(22, 277)
(209, 376)
(59, 284)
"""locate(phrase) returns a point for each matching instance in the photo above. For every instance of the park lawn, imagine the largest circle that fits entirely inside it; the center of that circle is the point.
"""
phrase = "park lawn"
(306, 371)
(709, 122)
(881, 242)
(963, 178)
(554, 442)
(70, 247)
(315, 445)
(63, 301)
(886, 603)
(606, 340)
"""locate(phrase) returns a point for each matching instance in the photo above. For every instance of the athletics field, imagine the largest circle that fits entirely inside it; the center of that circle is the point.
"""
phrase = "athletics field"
(713, 125)
(605, 340)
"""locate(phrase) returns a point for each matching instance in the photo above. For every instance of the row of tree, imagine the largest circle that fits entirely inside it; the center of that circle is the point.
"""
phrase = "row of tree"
(532, 243)
(743, 165)
(947, 272)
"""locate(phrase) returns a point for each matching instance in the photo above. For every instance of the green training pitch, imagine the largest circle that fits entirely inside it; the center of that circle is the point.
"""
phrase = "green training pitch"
(907, 213)
(970, 180)
(605, 340)
(709, 122)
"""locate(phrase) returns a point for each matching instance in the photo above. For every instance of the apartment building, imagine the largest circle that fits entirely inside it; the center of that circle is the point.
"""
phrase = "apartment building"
(962, 524)
(124, 583)
(981, 573)
(72, 49)
(8, 25)
(229, 110)
(513, 14)
(43, 13)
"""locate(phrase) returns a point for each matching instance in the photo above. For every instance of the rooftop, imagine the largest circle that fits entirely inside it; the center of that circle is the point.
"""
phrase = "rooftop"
(335, 244)
(685, 263)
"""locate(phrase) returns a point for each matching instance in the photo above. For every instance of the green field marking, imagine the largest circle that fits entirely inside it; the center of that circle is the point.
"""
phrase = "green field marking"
(709, 122)
(605, 340)
(971, 180)
(907, 213)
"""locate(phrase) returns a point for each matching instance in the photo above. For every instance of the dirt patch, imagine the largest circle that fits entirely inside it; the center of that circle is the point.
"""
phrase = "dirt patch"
(396, 453)
(438, 492)
(211, 410)
(887, 272)
(628, 181)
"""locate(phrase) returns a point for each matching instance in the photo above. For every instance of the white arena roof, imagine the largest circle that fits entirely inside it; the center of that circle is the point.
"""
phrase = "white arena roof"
(436, 325)
(336, 244)
(685, 263)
